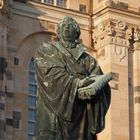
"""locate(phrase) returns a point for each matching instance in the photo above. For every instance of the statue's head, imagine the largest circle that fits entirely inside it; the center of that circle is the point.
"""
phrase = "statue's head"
(68, 30)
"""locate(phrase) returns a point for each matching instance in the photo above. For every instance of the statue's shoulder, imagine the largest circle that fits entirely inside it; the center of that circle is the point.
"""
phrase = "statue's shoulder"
(46, 48)
(87, 52)
(81, 46)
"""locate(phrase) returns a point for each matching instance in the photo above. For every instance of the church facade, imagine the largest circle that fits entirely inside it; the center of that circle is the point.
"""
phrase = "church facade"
(110, 29)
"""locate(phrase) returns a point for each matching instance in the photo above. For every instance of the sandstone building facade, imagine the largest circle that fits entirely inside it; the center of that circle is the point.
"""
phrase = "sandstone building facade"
(113, 26)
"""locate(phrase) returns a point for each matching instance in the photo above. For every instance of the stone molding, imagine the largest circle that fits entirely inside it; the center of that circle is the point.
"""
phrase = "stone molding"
(47, 26)
(118, 33)
(137, 38)
(111, 32)
(47, 13)
(137, 46)
(120, 36)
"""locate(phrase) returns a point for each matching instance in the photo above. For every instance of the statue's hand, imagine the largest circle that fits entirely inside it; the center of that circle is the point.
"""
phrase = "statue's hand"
(90, 90)
(85, 82)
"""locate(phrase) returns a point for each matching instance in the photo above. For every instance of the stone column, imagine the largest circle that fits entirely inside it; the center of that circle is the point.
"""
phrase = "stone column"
(112, 47)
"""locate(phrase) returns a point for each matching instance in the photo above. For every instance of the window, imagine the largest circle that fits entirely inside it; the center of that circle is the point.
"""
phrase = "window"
(32, 89)
(2, 106)
(31, 65)
(32, 77)
(31, 126)
(9, 121)
(30, 137)
(48, 1)
(61, 3)
(31, 100)
(82, 8)
(31, 114)
(21, 1)
(16, 61)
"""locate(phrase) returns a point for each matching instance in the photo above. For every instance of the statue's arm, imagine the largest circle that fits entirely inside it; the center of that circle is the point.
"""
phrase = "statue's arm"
(95, 82)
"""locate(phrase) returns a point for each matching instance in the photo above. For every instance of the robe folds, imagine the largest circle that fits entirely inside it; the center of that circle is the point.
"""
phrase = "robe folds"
(60, 114)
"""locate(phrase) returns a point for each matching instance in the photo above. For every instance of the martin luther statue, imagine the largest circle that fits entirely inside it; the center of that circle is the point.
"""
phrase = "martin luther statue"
(73, 93)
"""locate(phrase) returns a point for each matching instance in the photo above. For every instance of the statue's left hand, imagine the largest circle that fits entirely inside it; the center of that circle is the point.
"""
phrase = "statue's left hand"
(92, 89)
(85, 82)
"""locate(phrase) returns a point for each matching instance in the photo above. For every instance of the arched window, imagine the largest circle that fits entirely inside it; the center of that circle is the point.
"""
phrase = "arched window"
(31, 100)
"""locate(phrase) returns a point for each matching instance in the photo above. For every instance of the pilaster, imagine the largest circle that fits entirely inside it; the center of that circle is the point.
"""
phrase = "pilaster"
(4, 73)
(136, 82)
(3, 54)
(112, 45)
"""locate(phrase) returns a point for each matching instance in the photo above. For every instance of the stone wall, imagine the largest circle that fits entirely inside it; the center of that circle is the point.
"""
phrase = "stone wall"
(24, 26)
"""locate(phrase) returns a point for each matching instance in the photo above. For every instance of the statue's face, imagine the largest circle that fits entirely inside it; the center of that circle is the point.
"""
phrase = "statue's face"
(68, 31)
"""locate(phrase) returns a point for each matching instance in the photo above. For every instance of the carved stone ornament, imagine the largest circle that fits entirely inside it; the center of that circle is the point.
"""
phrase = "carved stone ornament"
(110, 29)
(137, 35)
(121, 25)
(129, 33)
(47, 25)
(100, 31)
(137, 45)
(112, 32)
(101, 27)
(120, 52)
(95, 38)
(43, 24)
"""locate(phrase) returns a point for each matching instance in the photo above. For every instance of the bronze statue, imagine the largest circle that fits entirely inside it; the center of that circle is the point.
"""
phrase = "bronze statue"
(73, 93)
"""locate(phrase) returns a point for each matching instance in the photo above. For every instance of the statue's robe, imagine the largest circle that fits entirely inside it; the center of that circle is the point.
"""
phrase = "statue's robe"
(60, 114)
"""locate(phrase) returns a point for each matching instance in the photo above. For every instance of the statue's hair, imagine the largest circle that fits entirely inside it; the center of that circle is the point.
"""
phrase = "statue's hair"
(71, 20)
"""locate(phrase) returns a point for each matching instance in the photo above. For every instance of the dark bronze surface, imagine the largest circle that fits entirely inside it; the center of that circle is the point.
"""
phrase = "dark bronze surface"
(62, 68)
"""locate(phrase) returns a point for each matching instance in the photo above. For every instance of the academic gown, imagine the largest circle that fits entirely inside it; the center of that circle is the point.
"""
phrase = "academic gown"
(60, 114)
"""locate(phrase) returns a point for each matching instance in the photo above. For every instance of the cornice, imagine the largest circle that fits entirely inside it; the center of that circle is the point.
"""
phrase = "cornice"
(49, 13)
(117, 33)
(119, 6)
(113, 12)
(112, 32)
(48, 6)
